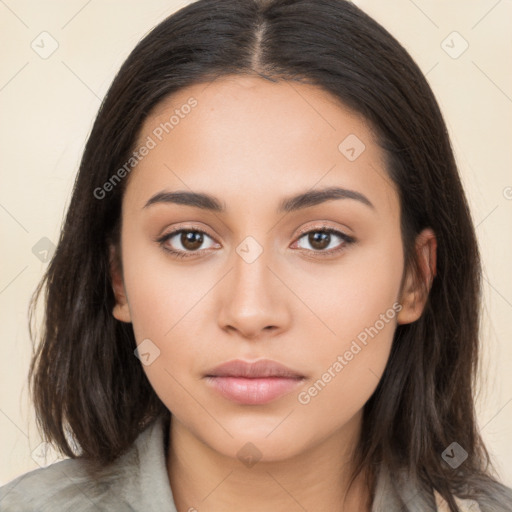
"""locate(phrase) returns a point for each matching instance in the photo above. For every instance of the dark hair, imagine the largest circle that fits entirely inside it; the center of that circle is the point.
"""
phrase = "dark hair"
(86, 383)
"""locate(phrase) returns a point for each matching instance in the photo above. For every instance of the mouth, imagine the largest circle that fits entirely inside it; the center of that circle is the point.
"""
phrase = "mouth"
(253, 383)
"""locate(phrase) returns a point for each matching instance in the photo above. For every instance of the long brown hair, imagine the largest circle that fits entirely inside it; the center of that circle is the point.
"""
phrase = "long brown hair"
(86, 383)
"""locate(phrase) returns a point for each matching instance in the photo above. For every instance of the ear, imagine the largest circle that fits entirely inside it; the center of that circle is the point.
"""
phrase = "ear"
(121, 310)
(416, 288)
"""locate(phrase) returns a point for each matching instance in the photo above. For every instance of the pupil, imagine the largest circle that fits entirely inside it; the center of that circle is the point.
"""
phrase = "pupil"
(191, 239)
(319, 239)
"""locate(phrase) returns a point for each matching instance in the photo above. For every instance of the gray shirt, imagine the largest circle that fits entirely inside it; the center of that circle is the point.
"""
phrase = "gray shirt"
(138, 481)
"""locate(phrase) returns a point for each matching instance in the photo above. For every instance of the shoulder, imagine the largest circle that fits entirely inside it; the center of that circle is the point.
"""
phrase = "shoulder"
(398, 491)
(120, 486)
(487, 495)
(482, 495)
(68, 485)
(64, 485)
(464, 505)
(495, 498)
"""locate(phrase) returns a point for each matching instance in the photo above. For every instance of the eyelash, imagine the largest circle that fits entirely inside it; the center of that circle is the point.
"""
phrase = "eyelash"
(347, 240)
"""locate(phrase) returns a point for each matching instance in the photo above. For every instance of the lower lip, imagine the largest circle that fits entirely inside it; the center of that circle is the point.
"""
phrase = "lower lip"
(253, 391)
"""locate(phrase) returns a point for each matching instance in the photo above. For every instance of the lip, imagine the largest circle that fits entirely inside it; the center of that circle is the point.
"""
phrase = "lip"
(256, 369)
(253, 383)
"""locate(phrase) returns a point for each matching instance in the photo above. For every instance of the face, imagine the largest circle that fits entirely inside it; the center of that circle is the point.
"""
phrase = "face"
(312, 283)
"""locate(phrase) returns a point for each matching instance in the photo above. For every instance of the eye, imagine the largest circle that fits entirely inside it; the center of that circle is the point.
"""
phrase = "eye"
(187, 241)
(324, 238)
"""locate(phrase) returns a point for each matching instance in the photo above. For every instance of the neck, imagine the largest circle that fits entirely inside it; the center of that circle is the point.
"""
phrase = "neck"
(205, 480)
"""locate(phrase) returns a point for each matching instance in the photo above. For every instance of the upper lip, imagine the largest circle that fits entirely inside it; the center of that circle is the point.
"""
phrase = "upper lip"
(261, 368)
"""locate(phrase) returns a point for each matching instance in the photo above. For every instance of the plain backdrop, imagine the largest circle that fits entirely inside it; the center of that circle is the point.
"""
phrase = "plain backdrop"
(58, 59)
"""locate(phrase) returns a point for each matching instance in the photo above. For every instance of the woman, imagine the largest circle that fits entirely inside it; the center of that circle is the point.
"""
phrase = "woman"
(266, 291)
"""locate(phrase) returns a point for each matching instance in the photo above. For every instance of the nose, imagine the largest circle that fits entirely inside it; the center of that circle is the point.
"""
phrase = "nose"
(254, 300)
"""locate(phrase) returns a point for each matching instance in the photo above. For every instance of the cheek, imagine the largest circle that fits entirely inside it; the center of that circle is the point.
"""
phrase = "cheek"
(161, 292)
(165, 301)
(351, 296)
(358, 307)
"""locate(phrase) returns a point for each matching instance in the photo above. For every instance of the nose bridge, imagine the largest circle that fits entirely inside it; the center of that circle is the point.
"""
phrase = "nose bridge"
(251, 275)
(251, 300)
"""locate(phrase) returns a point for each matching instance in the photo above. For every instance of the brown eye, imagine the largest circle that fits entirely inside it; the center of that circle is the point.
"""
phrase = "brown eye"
(191, 240)
(321, 239)
(184, 242)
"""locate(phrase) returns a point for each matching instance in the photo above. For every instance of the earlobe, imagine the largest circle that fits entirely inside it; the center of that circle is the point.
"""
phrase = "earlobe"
(121, 310)
(416, 289)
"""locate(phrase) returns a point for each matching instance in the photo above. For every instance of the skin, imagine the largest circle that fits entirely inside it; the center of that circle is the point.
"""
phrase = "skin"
(252, 143)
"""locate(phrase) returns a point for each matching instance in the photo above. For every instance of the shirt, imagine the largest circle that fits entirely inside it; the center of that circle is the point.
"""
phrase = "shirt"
(138, 481)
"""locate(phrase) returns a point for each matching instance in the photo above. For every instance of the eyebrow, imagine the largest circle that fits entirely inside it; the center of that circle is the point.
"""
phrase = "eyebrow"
(290, 204)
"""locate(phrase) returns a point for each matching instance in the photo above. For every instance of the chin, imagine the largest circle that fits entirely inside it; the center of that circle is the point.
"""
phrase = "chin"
(253, 446)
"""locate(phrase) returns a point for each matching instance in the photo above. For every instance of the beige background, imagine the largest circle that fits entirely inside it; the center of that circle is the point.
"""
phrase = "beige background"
(48, 106)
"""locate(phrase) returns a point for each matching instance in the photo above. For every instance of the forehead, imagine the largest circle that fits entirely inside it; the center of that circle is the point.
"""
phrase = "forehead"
(247, 133)
(260, 108)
